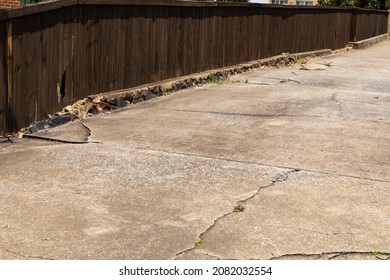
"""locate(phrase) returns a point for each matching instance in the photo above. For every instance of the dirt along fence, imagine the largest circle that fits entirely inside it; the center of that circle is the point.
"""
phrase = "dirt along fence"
(56, 53)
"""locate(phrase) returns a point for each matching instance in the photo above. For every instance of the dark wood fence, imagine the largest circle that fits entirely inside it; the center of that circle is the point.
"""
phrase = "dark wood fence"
(367, 23)
(56, 53)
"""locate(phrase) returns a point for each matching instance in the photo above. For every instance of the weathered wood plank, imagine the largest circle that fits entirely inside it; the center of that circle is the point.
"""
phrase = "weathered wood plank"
(14, 90)
(3, 76)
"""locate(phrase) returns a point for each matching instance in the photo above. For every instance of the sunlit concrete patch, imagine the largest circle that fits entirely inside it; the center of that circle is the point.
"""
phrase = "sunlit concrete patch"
(101, 230)
(304, 217)
(137, 205)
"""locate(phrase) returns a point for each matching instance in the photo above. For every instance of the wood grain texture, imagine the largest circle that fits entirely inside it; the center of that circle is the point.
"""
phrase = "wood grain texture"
(3, 74)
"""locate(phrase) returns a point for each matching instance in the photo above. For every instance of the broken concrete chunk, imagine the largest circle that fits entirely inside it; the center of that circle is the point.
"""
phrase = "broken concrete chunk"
(97, 99)
(59, 119)
(49, 123)
(118, 102)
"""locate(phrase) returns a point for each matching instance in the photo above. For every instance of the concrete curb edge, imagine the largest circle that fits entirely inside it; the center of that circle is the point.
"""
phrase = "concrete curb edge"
(121, 98)
(368, 42)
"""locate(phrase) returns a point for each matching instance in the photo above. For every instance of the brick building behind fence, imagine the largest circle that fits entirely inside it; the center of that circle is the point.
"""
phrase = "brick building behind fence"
(6, 4)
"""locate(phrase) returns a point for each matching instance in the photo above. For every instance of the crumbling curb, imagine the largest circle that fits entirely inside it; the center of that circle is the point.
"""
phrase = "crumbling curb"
(368, 42)
(104, 102)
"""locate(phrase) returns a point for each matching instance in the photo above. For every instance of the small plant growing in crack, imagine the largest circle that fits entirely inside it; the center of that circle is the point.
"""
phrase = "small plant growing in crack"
(198, 243)
(213, 78)
(239, 208)
(375, 253)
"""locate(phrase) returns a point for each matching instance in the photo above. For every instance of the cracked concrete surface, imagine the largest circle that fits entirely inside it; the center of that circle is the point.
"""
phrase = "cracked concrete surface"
(336, 215)
(305, 152)
(280, 178)
(6, 254)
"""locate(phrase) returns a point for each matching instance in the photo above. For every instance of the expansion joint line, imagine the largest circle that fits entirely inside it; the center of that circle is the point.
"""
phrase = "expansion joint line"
(280, 178)
(262, 164)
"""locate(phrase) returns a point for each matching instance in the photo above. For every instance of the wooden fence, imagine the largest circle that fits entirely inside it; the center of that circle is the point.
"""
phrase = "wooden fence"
(54, 54)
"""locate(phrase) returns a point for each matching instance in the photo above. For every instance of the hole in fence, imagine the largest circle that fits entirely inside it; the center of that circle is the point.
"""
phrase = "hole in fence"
(62, 88)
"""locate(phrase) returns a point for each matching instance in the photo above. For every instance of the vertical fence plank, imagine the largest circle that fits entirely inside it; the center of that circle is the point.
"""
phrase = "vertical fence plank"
(44, 58)
(26, 97)
(66, 57)
(3, 75)
(388, 22)
(129, 42)
(161, 31)
(134, 46)
(10, 76)
(14, 90)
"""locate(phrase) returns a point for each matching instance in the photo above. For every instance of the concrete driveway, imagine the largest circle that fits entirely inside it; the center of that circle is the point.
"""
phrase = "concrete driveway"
(287, 163)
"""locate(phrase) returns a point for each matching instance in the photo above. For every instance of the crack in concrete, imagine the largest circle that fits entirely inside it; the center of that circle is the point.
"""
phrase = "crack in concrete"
(259, 84)
(333, 255)
(23, 255)
(267, 240)
(262, 164)
(87, 128)
(279, 178)
(206, 253)
(283, 80)
(310, 230)
(203, 252)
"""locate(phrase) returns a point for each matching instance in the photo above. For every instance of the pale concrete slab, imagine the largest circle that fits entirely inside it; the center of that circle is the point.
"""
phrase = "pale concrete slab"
(82, 202)
(305, 149)
(325, 214)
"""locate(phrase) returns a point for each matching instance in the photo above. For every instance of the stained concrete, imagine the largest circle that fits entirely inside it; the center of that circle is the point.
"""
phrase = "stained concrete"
(305, 150)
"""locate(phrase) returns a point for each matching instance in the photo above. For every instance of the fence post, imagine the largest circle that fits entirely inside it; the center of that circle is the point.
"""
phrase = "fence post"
(388, 20)
(3, 77)
(9, 91)
(352, 36)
